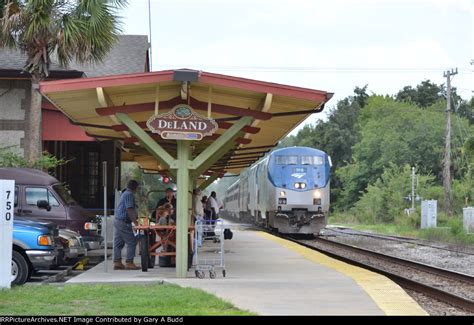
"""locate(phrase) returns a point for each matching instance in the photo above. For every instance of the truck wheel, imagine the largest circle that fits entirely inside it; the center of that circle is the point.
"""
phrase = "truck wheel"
(20, 269)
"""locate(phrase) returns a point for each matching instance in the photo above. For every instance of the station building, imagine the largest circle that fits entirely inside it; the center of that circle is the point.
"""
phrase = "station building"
(62, 137)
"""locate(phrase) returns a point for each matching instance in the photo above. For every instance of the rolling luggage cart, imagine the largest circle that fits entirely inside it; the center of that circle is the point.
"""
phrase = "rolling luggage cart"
(206, 257)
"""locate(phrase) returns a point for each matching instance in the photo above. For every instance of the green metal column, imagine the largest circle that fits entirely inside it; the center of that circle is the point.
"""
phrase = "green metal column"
(182, 220)
(147, 142)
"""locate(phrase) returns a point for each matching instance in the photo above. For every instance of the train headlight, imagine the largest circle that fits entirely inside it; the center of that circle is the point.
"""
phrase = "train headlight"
(282, 193)
(317, 194)
(316, 201)
(282, 200)
(300, 185)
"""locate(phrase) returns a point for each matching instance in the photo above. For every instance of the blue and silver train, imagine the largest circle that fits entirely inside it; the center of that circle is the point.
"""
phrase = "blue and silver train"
(288, 191)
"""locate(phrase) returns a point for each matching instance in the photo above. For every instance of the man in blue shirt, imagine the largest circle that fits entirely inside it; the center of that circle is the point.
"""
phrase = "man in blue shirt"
(125, 217)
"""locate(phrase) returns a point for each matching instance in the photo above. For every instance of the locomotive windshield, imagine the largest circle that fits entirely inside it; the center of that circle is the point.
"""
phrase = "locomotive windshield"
(286, 160)
(312, 160)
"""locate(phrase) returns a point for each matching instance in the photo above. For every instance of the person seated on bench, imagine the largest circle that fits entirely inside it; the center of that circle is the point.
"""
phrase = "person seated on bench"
(163, 214)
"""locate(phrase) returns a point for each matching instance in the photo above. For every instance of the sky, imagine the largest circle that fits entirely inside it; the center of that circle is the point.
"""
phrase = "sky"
(327, 45)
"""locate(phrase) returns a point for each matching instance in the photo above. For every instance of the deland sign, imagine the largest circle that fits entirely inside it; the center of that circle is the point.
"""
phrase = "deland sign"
(181, 123)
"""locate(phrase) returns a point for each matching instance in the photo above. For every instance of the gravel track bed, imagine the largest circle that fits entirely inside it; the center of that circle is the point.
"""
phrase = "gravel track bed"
(435, 307)
(462, 289)
(446, 256)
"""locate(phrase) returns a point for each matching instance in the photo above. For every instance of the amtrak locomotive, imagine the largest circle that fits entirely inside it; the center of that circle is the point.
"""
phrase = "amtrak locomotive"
(288, 191)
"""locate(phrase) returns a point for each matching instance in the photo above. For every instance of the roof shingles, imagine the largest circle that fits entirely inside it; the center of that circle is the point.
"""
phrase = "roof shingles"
(127, 56)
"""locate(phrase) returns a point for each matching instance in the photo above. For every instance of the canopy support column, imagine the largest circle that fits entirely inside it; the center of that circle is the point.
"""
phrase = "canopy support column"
(182, 200)
(147, 142)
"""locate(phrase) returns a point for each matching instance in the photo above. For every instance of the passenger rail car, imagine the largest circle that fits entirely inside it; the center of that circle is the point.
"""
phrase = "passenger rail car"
(288, 191)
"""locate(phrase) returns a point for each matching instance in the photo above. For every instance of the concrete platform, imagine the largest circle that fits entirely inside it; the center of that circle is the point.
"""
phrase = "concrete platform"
(271, 276)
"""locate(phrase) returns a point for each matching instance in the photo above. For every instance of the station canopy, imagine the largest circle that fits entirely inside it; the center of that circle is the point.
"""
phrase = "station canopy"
(275, 109)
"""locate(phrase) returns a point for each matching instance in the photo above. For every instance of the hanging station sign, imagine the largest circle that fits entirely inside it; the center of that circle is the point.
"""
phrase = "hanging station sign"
(182, 123)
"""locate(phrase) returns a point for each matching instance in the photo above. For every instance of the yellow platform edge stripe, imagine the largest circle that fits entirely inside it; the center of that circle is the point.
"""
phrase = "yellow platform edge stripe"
(388, 296)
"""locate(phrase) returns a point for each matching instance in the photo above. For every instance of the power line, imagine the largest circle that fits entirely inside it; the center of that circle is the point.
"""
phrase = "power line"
(316, 69)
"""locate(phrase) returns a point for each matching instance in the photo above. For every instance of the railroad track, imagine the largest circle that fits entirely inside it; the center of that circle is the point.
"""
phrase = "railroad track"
(454, 288)
(400, 239)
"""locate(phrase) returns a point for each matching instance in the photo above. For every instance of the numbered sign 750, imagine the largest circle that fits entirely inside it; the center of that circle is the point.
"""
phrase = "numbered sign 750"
(7, 195)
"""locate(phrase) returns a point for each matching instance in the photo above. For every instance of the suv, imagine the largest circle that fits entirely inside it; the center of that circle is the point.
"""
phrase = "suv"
(35, 247)
(39, 196)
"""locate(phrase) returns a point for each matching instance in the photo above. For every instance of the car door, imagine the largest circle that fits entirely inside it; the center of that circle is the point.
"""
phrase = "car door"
(32, 194)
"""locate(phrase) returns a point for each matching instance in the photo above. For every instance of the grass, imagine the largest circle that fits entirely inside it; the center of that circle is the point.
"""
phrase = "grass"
(387, 229)
(448, 231)
(88, 300)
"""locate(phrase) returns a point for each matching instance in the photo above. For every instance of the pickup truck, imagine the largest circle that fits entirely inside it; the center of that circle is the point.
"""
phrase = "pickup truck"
(36, 246)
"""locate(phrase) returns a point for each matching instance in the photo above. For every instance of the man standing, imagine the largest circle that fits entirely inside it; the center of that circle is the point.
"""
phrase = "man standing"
(214, 205)
(126, 216)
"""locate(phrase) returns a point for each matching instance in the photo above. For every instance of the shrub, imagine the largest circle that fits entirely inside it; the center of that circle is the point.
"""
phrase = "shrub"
(9, 158)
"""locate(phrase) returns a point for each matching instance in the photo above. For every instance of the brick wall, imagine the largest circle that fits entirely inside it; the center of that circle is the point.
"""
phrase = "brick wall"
(14, 102)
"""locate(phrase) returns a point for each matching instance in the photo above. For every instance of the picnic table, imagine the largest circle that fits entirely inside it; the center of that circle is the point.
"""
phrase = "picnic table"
(153, 237)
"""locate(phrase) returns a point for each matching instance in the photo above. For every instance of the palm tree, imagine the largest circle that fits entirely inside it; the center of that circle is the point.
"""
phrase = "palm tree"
(65, 30)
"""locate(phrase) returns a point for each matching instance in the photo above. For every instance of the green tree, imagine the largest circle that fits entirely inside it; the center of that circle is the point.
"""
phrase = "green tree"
(82, 30)
(466, 183)
(361, 96)
(425, 94)
(336, 136)
(388, 196)
(466, 110)
(395, 133)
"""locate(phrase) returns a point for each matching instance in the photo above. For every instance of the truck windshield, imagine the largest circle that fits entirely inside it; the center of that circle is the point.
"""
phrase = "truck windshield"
(64, 194)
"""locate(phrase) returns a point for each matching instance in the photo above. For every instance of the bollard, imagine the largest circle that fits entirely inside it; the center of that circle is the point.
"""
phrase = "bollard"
(468, 219)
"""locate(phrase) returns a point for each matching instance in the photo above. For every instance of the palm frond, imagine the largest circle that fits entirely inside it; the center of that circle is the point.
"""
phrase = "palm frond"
(102, 28)
(69, 38)
(39, 14)
(11, 24)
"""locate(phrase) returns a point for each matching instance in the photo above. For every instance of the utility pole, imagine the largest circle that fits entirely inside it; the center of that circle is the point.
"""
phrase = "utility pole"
(149, 31)
(447, 182)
